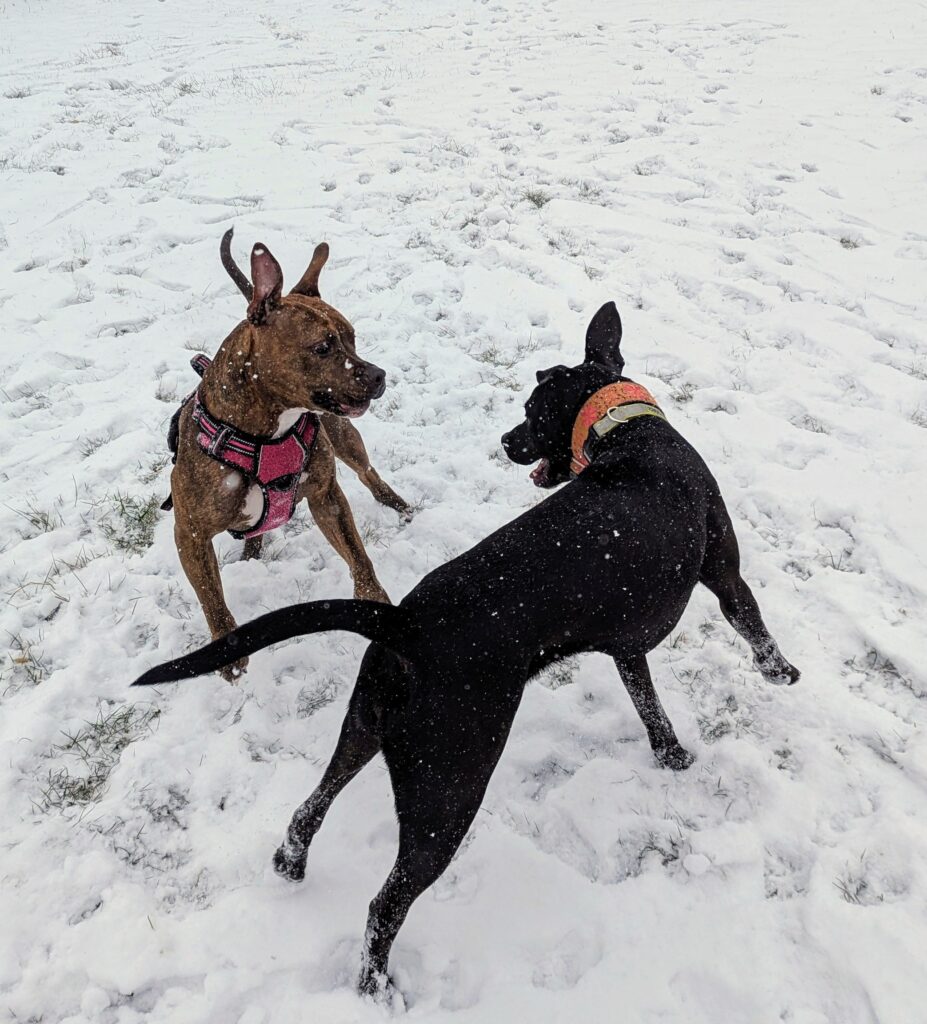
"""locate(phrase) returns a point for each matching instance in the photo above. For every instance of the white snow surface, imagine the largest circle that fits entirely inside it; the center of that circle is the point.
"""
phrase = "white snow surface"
(747, 183)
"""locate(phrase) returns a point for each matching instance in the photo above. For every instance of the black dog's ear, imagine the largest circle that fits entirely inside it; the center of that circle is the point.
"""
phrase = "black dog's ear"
(603, 338)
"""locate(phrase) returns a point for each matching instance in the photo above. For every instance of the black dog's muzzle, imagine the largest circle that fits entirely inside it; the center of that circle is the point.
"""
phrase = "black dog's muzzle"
(519, 446)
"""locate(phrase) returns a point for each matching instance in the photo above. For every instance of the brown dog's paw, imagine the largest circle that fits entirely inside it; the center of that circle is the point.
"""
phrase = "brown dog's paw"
(385, 495)
(405, 510)
(371, 592)
(233, 673)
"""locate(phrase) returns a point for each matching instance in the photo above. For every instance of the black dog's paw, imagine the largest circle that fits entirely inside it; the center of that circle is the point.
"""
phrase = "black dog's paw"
(778, 671)
(675, 757)
(290, 864)
(379, 987)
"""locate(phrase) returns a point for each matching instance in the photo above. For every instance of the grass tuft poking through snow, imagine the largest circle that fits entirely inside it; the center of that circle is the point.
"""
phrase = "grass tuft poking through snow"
(128, 522)
(91, 752)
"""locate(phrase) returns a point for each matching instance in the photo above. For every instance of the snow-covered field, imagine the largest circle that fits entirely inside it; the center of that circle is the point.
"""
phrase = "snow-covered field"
(747, 182)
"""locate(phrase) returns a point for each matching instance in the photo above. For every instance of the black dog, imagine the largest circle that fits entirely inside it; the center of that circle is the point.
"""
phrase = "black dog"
(606, 564)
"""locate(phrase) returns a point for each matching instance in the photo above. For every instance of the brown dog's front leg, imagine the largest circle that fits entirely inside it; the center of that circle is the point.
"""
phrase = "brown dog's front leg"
(198, 559)
(350, 449)
(332, 514)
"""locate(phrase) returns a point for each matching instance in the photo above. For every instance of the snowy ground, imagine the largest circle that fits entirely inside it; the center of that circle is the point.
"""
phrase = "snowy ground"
(747, 183)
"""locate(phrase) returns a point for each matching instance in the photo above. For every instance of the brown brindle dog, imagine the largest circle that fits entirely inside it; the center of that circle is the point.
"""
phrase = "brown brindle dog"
(292, 354)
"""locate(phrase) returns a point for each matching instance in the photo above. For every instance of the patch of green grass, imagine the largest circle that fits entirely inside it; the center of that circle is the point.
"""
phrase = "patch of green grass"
(727, 719)
(313, 699)
(96, 746)
(537, 197)
(148, 474)
(668, 848)
(374, 534)
(28, 663)
(41, 520)
(683, 392)
(163, 393)
(128, 523)
(93, 443)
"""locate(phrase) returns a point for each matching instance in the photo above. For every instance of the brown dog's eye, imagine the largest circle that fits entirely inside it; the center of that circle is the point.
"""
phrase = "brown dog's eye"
(324, 347)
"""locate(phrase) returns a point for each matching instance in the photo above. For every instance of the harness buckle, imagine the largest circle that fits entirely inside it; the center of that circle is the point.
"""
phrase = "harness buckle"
(219, 440)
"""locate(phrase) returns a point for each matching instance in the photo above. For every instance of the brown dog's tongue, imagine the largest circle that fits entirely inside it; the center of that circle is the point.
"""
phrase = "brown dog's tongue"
(353, 411)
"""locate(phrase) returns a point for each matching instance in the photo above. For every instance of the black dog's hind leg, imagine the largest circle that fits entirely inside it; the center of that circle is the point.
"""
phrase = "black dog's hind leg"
(635, 675)
(721, 575)
(356, 747)
(252, 548)
(428, 838)
(439, 774)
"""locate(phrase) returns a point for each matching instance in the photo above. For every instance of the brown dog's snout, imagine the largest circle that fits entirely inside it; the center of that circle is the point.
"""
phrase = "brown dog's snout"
(372, 377)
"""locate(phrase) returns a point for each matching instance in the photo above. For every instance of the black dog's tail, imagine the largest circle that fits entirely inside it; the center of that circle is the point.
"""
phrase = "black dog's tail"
(383, 623)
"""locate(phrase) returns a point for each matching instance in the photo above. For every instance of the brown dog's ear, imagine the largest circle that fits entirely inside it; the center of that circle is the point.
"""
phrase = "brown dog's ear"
(267, 278)
(309, 283)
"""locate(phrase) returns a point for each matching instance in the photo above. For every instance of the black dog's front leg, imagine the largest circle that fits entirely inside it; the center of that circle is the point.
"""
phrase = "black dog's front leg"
(636, 677)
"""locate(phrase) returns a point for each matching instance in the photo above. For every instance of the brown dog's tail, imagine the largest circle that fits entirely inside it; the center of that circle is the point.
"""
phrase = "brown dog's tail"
(383, 623)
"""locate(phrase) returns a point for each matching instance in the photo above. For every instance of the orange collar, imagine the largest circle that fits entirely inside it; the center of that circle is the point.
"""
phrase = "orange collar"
(615, 403)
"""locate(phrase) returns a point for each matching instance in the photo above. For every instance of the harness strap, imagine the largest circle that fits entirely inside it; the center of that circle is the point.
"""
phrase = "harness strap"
(273, 464)
(200, 363)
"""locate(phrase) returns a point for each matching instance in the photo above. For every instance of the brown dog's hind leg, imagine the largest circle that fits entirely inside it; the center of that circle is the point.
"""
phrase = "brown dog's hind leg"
(635, 674)
(721, 575)
(332, 513)
(350, 449)
(198, 559)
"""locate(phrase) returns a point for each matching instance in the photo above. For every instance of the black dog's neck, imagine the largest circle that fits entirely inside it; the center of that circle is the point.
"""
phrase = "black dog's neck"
(605, 448)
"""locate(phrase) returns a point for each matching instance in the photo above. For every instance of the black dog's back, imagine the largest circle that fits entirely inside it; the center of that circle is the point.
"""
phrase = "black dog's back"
(615, 553)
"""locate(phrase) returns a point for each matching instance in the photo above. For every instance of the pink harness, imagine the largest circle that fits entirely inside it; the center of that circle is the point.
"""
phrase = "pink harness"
(275, 465)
